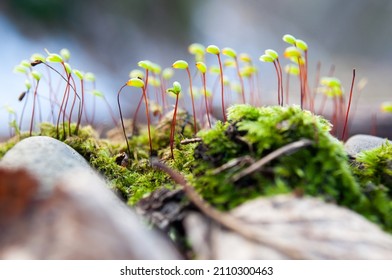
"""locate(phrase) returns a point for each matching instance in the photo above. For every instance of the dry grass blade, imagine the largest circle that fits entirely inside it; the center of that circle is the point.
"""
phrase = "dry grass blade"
(230, 222)
(232, 163)
(289, 148)
(190, 141)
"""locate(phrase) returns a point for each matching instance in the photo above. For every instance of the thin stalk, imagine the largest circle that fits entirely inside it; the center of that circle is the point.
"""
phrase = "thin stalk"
(280, 77)
(139, 104)
(301, 83)
(349, 104)
(162, 86)
(316, 82)
(110, 111)
(121, 118)
(134, 119)
(62, 109)
(205, 98)
(237, 66)
(24, 95)
(193, 102)
(148, 117)
(287, 87)
(222, 88)
(173, 127)
(32, 114)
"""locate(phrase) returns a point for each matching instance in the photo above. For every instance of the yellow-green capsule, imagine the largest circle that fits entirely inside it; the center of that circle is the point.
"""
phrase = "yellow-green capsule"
(167, 73)
(229, 52)
(65, 53)
(54, 57)
(301, 44)
(78, 73)
(386, 107)
(146, 64)
(196, 49)
(180, 64)
(36, 75)
(201, 66)
(89, 77)
(292, 52)
(213, 49)
(136, 73)
(266, 58)
(37, 56)
(272, 53)
(135, 82)
(290, 39)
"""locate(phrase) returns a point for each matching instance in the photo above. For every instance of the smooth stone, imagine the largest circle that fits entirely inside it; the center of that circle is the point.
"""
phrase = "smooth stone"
(289, 227)
(46, 158)
(78, 217)
(362, 142)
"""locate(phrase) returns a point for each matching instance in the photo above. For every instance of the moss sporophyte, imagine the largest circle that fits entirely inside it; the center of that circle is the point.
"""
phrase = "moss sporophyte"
(243, 151)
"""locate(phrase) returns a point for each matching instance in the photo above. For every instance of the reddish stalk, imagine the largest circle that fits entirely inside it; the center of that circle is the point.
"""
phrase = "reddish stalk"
(334, 115)
(62, 108)
(205, 98)
(32, 114)
(237, 66)
(121, 118)
(301, 82)
(193, 102)
(348, 107)
(287, 86)
(305, 78)
(316, 82)
(281, 81)
(110, 110)
(173, 127)
(65, 109)
(134, 119)
(67, 80)
(374, 125)
(278, 70)
(148, 117)
(162, 86)
(24, 96)
(277, 74)
(222, 88)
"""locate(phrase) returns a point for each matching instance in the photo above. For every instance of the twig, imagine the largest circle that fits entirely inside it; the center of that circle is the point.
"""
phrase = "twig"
(229, 221)
(232, 163)
(190, 141)
(289, 148)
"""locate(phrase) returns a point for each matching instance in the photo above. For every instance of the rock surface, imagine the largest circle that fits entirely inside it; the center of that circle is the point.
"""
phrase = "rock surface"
(46, 158)
(288, 227)
(362, 142)
(78, 217)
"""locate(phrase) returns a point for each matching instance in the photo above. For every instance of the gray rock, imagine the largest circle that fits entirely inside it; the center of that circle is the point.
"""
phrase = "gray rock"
(362, 142)
(288, 227)
(46, 158)
(79, 217)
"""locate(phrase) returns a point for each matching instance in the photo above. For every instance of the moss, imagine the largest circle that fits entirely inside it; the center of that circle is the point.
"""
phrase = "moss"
(373, 168)
(319, 170)
(138, 179)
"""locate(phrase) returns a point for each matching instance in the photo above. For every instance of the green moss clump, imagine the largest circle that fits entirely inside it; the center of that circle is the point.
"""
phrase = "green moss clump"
(319, 170)
(373, 169)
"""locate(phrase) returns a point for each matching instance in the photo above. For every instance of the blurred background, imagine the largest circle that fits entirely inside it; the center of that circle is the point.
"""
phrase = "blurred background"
(110, 37)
